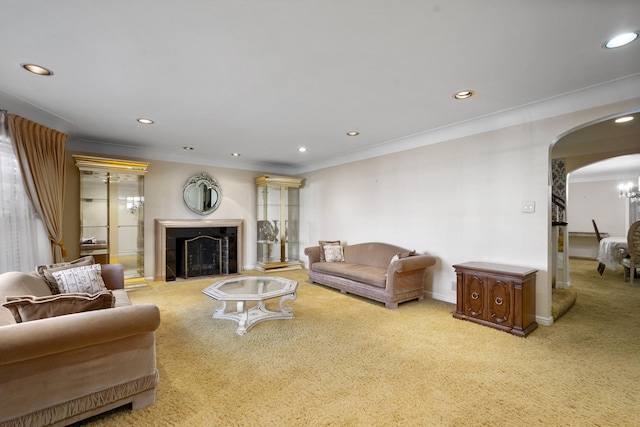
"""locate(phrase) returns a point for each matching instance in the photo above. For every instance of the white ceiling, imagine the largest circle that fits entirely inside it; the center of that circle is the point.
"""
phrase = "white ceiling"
(264, 77)
(621, 168)
(603, 139)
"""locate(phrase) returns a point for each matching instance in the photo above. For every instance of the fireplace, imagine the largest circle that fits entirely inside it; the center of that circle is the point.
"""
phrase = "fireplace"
(202, 256)
(190, 248)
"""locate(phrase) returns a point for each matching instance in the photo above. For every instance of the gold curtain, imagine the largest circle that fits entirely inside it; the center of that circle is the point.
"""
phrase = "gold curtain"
(41, 155)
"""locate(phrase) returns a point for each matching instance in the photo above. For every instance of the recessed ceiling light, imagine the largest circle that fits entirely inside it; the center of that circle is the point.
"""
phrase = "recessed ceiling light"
(235, 154)
(464, 94)
(302, 149)
(353, 133)
(624, 119)
(621, 40)
(188, 148)
(145, 121)
(36, 69)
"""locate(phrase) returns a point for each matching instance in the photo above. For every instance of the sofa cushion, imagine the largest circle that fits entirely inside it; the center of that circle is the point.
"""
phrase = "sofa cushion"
(85, 279)
(333, 249)
(46, 271)
(28, 307)
(374, 276)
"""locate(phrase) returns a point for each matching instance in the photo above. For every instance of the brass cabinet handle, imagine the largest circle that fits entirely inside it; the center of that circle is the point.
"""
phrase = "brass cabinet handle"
(499, 301)
(474, 295)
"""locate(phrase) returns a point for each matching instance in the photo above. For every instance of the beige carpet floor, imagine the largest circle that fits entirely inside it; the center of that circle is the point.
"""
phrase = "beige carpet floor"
(346, 361)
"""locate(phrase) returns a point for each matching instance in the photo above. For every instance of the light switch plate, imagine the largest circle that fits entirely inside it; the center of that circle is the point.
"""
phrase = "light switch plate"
(529, 206)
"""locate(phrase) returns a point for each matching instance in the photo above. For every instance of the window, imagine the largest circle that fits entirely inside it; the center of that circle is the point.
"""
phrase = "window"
(24, 243)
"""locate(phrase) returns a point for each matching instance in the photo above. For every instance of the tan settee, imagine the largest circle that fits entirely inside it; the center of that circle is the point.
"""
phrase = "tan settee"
(374, 271)
(63, 369)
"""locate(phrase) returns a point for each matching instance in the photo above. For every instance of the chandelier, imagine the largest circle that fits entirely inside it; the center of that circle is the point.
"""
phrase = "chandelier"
(133, 203)
(630, 191)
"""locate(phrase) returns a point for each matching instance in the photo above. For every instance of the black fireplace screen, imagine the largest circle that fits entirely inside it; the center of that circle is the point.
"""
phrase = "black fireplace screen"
(195, 252)
(206, 256)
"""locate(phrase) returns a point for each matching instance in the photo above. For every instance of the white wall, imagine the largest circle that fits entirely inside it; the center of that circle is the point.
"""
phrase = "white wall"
(596, 200)
(459, 200)
(164, 183)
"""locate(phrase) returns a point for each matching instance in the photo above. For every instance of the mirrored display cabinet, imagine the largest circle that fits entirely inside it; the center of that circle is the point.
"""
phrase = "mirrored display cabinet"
(112, 213)
(278, 222)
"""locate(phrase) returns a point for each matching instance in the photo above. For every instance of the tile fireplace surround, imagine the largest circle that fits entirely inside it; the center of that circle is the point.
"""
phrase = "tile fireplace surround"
(161, 226)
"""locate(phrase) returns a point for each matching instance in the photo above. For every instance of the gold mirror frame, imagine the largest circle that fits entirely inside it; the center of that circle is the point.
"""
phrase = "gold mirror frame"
(202, 194)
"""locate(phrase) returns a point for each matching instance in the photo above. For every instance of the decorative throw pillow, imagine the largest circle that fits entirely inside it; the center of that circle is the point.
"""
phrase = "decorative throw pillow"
(46, 271)
(322, 243)
(29, 307)
(85, 279)
(331, 251)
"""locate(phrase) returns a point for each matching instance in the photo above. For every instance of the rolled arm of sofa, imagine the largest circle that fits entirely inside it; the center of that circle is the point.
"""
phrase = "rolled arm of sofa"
(313, 253)
(37, 338)
(113, 276)
(411, 263)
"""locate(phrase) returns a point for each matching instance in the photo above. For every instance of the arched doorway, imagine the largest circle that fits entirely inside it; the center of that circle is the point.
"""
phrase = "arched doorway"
(598, 150)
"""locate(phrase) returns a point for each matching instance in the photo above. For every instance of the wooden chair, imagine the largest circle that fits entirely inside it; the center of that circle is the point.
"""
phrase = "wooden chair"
(631, 262)
(601, 266)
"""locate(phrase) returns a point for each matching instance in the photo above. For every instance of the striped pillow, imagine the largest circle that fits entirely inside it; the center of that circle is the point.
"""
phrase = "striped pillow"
(85, 279)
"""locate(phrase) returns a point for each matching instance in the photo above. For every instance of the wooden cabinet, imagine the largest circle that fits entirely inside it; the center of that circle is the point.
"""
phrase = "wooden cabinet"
(496, 295)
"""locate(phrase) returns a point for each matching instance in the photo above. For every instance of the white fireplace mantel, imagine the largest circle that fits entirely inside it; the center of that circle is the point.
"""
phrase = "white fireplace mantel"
(161, 226)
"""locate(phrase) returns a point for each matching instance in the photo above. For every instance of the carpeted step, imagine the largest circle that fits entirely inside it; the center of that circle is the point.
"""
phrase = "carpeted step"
(561, 301)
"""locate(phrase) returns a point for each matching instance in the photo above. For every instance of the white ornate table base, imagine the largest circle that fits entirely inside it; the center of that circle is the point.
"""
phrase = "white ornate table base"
(248, 317)
(243, 290)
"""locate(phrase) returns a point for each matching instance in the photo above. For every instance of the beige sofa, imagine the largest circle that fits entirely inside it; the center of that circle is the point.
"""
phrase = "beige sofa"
(63, 369)
(371, 270)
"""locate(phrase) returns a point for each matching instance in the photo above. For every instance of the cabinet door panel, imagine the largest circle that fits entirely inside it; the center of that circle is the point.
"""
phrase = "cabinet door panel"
(474, 296)
(500, 297)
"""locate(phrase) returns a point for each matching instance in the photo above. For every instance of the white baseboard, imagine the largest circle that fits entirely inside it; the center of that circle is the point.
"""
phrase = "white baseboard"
(544, 321)
(450, 298)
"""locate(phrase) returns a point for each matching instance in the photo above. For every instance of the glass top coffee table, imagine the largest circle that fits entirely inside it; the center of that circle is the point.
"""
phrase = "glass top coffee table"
(252, 288)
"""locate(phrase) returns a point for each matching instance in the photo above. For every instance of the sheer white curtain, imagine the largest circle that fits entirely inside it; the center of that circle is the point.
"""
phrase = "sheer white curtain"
(23, 241)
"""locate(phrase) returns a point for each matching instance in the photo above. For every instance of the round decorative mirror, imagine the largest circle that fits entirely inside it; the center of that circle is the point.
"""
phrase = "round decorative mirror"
(202, 194)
